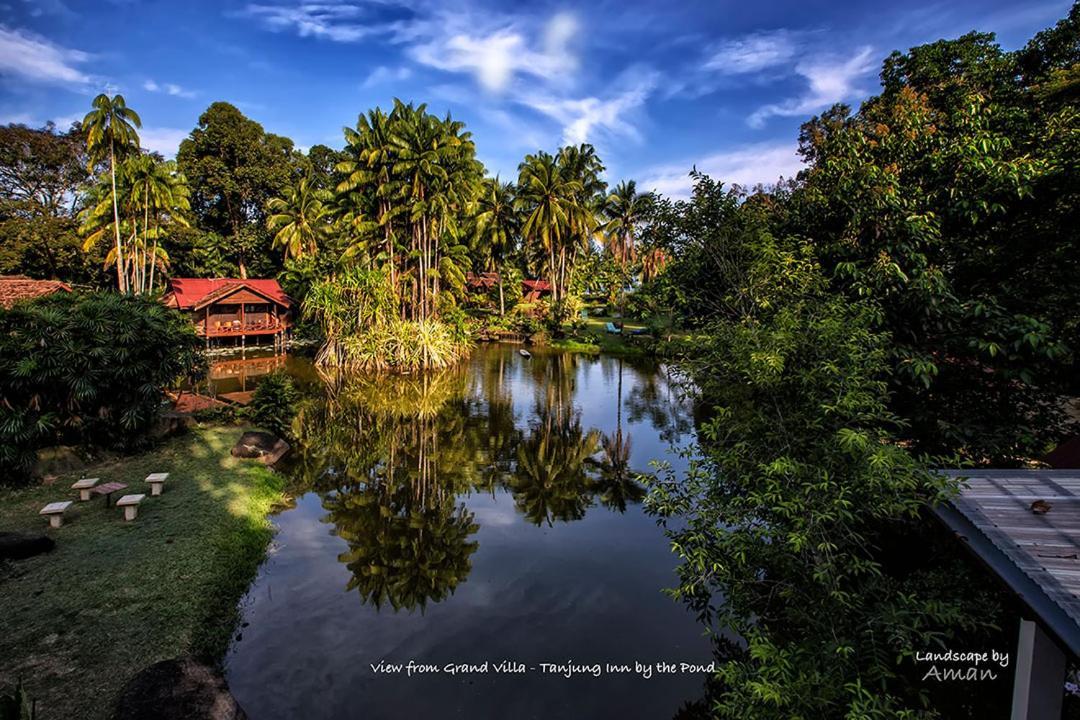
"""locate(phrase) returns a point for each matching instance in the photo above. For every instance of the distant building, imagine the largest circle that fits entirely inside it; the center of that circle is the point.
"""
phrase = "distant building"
(481, 281)
(230, 311)
(533, 290)
(14, 288)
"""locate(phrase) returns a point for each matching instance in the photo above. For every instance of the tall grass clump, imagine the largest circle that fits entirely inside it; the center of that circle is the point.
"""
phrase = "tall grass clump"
(363, 330)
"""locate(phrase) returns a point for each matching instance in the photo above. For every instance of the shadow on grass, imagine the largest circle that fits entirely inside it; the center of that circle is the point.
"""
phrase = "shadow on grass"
(115, 597)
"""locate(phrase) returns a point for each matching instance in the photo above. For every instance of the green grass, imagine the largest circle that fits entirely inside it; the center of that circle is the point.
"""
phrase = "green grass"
(115, 597)
(595, 338)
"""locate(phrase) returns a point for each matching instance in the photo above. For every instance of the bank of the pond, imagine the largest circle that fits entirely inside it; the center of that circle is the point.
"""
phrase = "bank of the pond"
(116, 597)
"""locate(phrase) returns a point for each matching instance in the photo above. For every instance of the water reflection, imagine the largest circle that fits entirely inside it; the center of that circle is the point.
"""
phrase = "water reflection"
(490, 511)
(392, 455)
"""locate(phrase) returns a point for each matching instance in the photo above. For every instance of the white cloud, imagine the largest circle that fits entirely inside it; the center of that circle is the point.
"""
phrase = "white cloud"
(752, 53)
(495, 57)
(383, 74)
(169, 89)
(582, 118)
(163, 140)
(831, 80)
(35, 58)
(747, 166)
(337, 22)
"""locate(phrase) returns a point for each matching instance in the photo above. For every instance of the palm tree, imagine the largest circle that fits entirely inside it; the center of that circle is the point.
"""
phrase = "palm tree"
(548, 200)
(626, 209)
(299, 220)
(162, 193)
(110, 126)
(497, 227)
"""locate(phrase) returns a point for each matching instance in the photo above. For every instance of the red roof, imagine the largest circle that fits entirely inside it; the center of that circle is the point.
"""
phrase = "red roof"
(536, 284)
(19, 287)
(189, 293)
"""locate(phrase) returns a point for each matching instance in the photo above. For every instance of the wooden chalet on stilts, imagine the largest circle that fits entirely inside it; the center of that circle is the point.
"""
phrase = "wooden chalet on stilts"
(234, 312)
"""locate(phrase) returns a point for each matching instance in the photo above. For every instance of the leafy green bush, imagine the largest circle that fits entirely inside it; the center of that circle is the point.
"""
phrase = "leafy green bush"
(86, 368)
(273, 405)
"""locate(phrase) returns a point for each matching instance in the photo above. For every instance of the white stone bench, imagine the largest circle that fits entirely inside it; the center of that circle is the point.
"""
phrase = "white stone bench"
(157, 482)
(83, 486)
(130, 503)
(55, 512)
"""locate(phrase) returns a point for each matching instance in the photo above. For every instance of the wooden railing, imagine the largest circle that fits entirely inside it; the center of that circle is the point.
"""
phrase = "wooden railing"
(259, 327)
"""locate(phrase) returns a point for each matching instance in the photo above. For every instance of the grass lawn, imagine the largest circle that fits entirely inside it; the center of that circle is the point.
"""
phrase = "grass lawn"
(115, 597)
(598, 339)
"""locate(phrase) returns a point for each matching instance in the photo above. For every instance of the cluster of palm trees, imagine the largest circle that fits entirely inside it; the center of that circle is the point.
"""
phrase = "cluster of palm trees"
(136, 199)
(411, 199)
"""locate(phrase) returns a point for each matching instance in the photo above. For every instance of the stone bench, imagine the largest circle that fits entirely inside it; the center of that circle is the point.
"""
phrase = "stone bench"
(130, 503)
(157, 482)
(55, 512)
(83, 486)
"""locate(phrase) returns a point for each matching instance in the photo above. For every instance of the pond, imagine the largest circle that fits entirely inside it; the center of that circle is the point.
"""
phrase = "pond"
(489, 513)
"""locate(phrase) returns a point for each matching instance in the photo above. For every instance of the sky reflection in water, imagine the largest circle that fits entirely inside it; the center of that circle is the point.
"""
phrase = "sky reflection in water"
(487, 513)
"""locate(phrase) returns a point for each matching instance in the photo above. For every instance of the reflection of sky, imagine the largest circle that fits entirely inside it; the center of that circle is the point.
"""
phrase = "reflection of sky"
(584, 591)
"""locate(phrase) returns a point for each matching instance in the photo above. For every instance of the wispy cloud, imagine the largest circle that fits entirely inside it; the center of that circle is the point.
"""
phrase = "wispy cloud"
(337, 22)
(753, 53)
(168, 89)
(749, 165)
(830, 80)
(495, 57)
(383, 74)
(37, 59)
(583, 118)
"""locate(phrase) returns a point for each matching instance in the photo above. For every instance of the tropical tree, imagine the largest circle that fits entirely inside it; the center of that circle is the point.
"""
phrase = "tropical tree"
(111, 132)
(497, 228)
(547, 200)
(626, 209)
(299, 220)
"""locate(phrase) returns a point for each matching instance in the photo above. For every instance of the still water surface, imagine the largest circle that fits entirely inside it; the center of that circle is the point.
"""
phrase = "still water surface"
(488, 513)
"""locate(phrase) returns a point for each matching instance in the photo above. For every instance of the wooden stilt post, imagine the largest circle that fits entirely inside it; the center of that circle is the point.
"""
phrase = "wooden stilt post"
(1039, 690)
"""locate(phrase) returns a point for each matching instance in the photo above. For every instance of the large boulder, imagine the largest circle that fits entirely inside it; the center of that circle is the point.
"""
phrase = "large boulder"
(17, 546)
(263, 446)
(178, 689)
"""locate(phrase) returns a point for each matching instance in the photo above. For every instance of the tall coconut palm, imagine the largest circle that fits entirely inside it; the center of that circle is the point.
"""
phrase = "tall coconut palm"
(497, 228)
(299, 220)
(369, 172)
(110, 131)
(625, 209)
(548, 200)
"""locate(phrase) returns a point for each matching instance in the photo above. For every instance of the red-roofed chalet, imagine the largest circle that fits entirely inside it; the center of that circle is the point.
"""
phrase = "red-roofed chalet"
(233, 307)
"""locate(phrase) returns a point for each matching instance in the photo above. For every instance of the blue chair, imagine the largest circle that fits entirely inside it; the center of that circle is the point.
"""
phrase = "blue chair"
(610, 327)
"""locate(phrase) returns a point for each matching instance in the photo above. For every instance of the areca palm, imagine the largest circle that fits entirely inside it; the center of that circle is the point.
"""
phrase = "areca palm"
(162, 193)
(548, 199)
(625, 209)
(110, 131)
(299, 220)
(497, 227)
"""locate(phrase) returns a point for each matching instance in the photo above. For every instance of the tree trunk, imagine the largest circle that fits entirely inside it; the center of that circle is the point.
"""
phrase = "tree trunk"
(120, 279)
(502, 304)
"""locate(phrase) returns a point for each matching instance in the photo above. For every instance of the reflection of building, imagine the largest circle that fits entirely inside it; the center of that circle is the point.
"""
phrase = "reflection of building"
(19, 287)
(235, 379)
(234, 311)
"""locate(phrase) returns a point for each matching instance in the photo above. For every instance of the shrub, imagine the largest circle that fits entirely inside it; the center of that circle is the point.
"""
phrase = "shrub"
(273, 404)
(86, 368)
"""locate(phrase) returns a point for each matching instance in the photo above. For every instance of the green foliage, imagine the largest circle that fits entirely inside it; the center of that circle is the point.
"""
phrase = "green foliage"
(362, 327)
(235, 168)
(273, 404)
(86, 368)
(788, 519)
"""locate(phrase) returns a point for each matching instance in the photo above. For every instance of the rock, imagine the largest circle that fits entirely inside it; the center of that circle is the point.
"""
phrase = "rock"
(178, 689)
(58, 460)
(262, 446)
(18, 546)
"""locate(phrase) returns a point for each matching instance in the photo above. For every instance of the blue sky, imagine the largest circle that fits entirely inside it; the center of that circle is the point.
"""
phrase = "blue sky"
(656, 86)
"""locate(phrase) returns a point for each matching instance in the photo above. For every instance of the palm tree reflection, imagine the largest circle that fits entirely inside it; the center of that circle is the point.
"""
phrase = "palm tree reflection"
(392, 456)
